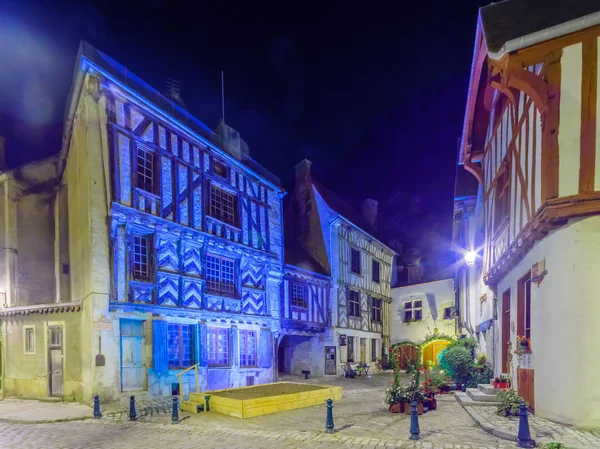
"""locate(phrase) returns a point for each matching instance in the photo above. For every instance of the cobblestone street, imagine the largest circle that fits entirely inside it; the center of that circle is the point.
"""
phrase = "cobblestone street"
(361, 420)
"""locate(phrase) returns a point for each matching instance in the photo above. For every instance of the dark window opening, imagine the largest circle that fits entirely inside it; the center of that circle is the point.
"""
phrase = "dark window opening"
(376, 310)
(354, 303)
(355, 259)
(375, 271)
(298, 295)
(220, 169)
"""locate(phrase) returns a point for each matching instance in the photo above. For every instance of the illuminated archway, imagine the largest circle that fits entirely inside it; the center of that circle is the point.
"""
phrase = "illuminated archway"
(408, 350)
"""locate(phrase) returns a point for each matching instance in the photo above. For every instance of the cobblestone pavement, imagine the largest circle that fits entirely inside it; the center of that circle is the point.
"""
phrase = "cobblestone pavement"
(361, 420)
(542, 430)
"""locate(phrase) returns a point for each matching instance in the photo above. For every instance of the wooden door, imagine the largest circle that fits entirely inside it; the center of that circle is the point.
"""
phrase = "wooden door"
(55, 361)
(330, 366)
(363, 350)
(132, 368)
(405, 354)
(526, 386)
(505, 330)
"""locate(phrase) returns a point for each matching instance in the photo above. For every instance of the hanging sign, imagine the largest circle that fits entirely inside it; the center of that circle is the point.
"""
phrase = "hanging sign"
(538, 271)
(342, 340)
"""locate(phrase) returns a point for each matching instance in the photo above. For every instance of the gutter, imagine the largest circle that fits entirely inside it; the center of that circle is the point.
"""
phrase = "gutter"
(547, 34)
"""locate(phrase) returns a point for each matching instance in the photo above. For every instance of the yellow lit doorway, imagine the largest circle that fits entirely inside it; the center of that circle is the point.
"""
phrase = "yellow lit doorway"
(432, 350)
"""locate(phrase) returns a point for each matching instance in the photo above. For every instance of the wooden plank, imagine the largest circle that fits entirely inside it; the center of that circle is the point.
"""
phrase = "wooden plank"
(550, 161)
(587, 160)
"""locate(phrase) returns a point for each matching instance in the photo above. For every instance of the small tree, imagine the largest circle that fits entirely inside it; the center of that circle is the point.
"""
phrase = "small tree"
(457, 361)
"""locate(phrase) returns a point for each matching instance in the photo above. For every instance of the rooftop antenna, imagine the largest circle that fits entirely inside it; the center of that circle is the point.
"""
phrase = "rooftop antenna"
(223, 95)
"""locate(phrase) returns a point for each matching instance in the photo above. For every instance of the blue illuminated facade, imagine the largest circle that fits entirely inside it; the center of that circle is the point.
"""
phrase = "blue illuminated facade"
(196, 244)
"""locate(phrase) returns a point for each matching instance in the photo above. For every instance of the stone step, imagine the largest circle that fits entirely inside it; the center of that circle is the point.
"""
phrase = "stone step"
(465, 400)
(192, 407)
(488, 389)
(480, 396)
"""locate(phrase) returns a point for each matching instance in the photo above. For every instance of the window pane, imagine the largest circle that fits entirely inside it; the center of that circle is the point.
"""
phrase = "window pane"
(218, 346)
(417, 304)
(222, 205)
(375, 271)
(418, 315)
(298, 293)
(407, 315)
(227, 276)
(355, 256)
(141, 258)
(145, 170)
(213, 270)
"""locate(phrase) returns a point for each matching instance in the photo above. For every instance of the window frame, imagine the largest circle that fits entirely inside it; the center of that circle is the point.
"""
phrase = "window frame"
(376, 309)
(244, 335)
(374, 345)
(375, 263)
(294, 286)
(217, 331)
(353, 268)
(413, 309)
(502, 197)
(350, 349)
(219, 213)
(356, 303)
(154, 172)
(210, 279)
(180, 346)
(449, 316)
(26, 350)
(137, 275)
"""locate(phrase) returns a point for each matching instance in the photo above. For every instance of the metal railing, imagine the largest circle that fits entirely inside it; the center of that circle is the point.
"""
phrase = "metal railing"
(180, 376)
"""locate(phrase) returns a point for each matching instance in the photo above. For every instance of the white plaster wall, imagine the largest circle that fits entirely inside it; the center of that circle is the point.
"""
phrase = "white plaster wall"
(565, 332)
(436, 295)
(569, 130)
(342, 351)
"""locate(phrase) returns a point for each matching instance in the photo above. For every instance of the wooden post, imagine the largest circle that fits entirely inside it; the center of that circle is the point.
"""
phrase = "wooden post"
(197, 380)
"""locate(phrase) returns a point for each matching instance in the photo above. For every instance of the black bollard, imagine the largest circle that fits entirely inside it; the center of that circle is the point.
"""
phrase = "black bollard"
(132, 414)
(524, 437)
(329, 420)
(207, 400)
(175, 414)
(414, 422)
(97, 414)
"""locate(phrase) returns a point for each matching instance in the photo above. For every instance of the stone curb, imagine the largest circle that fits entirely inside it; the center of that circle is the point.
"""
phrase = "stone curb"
(481, 422)
(43, 421)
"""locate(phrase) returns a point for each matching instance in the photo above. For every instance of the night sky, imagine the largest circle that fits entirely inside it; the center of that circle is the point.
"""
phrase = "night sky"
(374, 96)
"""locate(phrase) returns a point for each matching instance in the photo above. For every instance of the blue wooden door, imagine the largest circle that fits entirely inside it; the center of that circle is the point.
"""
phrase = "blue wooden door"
(132, 364)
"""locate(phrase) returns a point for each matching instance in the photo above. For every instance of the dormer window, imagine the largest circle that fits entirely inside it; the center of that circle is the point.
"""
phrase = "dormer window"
(220, 169)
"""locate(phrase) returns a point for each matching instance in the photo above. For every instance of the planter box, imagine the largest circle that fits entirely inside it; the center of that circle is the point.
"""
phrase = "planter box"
(501, 384)
(267, 398)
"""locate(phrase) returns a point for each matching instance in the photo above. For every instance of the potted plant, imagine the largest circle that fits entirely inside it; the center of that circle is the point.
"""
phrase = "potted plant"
(523, 345)
(502, 381)
(509, 402)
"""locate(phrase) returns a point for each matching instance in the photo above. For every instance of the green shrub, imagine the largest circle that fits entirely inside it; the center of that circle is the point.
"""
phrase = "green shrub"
(555, 446)
(457, 361)
(479, 374)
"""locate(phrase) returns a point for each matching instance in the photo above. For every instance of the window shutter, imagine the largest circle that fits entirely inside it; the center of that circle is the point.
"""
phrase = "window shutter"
(264, 349)
(234, 353)
(160, 356)
(202, 347)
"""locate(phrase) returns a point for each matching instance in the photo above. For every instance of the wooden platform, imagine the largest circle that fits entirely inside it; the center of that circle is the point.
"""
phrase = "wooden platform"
(265, 405)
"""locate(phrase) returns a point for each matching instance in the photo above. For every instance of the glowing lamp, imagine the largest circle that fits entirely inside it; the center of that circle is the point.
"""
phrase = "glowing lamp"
(470, 258)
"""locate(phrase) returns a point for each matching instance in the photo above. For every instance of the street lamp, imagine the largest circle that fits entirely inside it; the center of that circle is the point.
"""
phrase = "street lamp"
(470, 258)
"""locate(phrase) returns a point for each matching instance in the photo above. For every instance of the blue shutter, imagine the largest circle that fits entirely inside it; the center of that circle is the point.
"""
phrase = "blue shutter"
(203, 346)
(197, 344)
(160, 355)
(264, 349)
(234, 353)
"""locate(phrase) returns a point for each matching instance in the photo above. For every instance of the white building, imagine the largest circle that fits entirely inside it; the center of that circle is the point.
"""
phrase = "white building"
(530, 138)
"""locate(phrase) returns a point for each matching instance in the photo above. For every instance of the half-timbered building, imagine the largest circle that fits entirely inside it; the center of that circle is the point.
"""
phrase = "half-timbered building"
(340, 243)
(530, 139)
(174, 237)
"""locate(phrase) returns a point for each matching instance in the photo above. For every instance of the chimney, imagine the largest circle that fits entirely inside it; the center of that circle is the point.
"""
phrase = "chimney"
(230, 141)
(369, 211)
(2, 155)
(303, 170)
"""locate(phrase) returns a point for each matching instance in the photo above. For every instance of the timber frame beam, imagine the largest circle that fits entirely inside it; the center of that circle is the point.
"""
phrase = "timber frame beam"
(552, 215)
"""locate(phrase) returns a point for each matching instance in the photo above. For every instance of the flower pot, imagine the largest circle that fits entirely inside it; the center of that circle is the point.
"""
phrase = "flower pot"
(432, 404)
(420, 408)
(395, 408)
(502, 384)
(496, 384)
(407, 409)
(402, 407)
